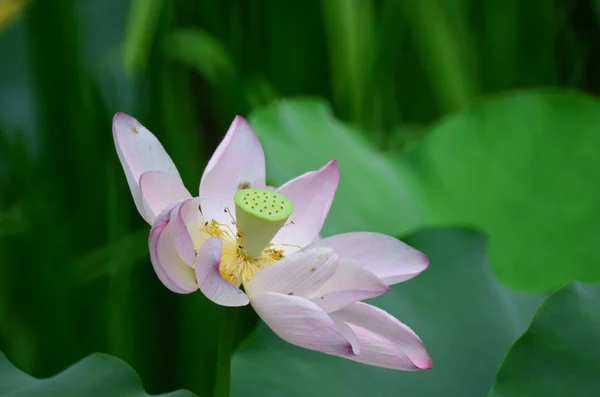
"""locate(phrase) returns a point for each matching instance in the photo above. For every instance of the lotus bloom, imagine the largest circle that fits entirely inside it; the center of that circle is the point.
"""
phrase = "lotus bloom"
(241, 232)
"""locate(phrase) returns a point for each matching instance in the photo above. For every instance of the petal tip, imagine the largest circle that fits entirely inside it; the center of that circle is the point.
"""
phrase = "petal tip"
(123, 122)
(118, 115)
(121, 117)
(241, 122)
(425, 364)
(239, 119)
(425, 260)
(334, 164)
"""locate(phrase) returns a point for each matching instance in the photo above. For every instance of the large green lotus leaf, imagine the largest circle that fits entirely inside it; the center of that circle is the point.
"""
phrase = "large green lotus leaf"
(98, 375)
(524, 168)
(465, 317)
(558, 355)
(302, 135)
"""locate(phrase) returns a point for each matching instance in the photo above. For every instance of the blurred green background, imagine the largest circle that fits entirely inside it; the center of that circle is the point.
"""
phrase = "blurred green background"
(466, 118)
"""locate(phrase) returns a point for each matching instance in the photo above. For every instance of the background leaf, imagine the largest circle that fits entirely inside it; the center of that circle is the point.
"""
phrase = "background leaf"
(484, 167)
(201, 52)
(516, 167)
(98, 375)
(558, 355)
(464, 316)
(443, 43)
(143, 20)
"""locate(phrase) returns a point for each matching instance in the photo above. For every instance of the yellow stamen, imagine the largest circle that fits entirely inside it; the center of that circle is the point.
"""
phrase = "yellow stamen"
(246, 244)
(235, 266)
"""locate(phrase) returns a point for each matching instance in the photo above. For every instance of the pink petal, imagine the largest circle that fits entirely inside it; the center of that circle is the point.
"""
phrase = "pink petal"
(300, 274)
(159, 189)
(189, 213)
(139, 151)
(388, 258)
(183, 219)
(348, 333)
(350, 283)
(170, 268)
(312, 194)
(209, 278)
(238, 161)
(384, 341)
(300, 322)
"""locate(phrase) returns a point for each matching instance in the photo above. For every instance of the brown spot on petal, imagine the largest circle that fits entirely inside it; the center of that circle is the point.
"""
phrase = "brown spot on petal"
(244, 185)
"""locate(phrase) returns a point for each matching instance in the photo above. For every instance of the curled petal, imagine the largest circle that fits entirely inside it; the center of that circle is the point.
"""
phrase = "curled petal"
(350, 283)
(209, 278)
(170, 268)
(384, 341)
(388, 258)
(300, 274)
(238, 162)
(348, 333)
(300, 322)
(184, 226)
(312, 194)
(139, 151)
(192, 218)
(159, 189)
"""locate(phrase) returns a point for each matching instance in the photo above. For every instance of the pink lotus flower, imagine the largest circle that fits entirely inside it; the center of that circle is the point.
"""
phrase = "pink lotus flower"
(239, 231)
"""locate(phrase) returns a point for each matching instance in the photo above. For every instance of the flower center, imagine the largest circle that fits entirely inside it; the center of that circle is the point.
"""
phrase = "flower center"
(260, 215)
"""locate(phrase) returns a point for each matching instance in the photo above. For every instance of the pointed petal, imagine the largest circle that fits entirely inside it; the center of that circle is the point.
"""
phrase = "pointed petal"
(170, 268)
(209, 278)
(299, 274)
(388, 258)
(384, 341)
(159, 189)
(312, 194)
(350, 283)
(139, 151)
(239, 159)
(300, 322)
